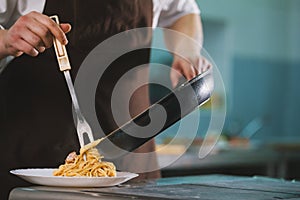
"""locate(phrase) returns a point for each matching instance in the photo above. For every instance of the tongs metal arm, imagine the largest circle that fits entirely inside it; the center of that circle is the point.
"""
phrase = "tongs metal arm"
(65, 66)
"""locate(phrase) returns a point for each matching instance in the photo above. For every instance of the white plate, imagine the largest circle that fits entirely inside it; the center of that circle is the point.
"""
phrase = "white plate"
(45, 177)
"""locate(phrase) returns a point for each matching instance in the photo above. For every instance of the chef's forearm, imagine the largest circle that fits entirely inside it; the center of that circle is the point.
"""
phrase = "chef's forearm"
(4, 57)
(185, 43)
(191, 26)
(3, 53)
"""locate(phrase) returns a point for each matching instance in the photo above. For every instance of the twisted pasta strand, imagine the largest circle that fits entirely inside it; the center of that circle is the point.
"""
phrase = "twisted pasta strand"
(87, 163)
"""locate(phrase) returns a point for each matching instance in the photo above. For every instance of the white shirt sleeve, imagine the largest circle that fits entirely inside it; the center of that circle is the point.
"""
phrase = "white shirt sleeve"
(10, 11)
(166, 12)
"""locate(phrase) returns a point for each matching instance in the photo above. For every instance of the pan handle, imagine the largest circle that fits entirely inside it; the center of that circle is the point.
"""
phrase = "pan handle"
(193, 93)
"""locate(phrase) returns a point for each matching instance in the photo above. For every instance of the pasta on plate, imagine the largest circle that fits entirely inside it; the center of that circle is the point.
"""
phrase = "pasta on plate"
(87, 163)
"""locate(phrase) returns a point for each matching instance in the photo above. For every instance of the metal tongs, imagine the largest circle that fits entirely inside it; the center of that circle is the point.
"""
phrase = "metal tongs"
(64, 66)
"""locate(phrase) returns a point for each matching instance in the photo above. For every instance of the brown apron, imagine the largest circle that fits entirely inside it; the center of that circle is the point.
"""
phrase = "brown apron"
(36, 122)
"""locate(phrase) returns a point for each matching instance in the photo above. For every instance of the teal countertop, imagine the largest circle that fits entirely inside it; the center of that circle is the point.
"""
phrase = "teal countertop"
(190, 187)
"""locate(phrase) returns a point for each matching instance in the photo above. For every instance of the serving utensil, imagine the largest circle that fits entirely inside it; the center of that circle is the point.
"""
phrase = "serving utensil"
(65, 66)
(192, 93)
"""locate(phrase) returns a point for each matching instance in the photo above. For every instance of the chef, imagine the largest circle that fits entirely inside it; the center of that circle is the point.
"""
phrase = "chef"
(36, 123)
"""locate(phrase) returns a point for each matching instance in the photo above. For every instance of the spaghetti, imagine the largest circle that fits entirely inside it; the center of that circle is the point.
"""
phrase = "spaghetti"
(87, 163)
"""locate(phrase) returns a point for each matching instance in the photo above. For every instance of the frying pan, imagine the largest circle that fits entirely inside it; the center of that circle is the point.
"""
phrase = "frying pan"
(177, 104)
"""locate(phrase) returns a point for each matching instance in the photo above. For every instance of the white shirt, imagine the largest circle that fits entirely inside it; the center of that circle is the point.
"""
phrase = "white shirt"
(165, 13)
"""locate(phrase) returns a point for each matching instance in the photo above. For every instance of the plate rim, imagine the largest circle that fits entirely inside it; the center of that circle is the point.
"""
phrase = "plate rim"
(75, 181)
(17, 173)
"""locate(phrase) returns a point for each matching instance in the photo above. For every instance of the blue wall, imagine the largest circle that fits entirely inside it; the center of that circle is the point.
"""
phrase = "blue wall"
(256, 46)
(260, 61)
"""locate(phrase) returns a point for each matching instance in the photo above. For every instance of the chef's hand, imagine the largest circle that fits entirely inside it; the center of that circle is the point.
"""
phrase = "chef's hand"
(187, 69)
(31, 34)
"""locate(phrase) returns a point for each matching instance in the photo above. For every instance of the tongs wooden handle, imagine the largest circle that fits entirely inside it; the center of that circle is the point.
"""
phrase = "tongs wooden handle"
(61, 52)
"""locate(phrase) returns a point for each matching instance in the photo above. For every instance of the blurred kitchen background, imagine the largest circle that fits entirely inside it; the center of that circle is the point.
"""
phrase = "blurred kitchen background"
(256, 46)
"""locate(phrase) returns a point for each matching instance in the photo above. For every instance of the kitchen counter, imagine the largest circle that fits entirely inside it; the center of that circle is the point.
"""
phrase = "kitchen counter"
(274, 162)
(233, 157)
(210, 187)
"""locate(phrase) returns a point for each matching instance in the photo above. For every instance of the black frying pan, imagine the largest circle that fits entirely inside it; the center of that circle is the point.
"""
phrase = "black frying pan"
(179, 103)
